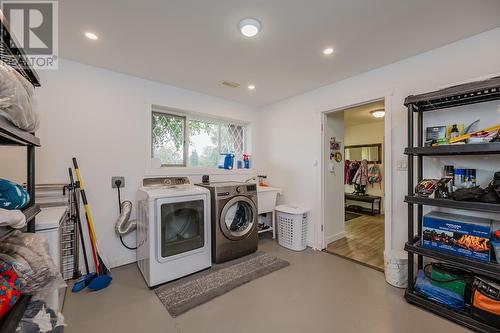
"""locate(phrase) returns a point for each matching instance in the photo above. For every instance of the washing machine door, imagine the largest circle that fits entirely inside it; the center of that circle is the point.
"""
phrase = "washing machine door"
(237, 219)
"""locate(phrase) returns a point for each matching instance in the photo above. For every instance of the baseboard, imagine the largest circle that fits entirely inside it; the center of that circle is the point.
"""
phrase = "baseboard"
(335, 237)
(312, 246)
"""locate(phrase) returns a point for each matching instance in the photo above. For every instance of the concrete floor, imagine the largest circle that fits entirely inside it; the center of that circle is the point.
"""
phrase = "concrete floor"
(317, 293)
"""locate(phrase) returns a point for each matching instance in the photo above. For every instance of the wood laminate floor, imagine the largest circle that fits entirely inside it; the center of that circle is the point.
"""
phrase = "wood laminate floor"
(363, 243)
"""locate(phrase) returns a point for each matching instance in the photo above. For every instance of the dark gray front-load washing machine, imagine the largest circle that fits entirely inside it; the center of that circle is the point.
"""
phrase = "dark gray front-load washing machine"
(234, 219)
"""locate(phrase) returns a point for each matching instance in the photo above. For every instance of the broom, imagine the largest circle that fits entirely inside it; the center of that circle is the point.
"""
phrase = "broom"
(85, 280)
(102, 280)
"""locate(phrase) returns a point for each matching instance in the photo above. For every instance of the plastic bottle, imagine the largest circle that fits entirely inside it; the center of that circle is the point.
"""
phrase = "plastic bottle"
(246, 161)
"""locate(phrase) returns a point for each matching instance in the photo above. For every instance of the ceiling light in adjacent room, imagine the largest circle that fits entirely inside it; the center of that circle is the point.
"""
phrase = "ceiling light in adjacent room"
(91, 35)
(231, 84)
(251, 87)
(328, 51)
(249, 27)
(378, 113)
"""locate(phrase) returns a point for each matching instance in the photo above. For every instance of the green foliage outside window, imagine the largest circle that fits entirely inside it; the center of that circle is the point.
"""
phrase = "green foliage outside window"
(206, 140)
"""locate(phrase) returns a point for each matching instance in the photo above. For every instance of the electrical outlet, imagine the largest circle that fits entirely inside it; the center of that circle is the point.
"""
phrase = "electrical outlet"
(115, 178)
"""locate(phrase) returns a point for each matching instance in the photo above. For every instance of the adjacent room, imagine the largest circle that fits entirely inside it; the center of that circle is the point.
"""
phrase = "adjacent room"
(249, 166)
(362, 175)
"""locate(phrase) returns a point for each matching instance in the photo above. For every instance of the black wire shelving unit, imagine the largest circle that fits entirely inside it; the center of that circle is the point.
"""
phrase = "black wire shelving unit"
(465, 94)
(10, 135)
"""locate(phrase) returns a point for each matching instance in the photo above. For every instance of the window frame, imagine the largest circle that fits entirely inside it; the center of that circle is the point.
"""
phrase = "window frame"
(185, 134)
(187, 117)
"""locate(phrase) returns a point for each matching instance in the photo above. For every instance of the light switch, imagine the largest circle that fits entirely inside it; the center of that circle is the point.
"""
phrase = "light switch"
(402, 165)
(331, 167)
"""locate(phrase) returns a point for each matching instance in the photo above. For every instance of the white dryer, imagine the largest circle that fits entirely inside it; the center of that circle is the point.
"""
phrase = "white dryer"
(173, 229)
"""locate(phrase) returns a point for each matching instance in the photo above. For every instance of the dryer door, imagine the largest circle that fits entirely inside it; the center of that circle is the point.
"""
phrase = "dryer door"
(238, 217)
(181, 226)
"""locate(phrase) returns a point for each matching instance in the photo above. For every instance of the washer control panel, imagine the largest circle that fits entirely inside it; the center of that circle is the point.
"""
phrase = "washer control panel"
(241, 189)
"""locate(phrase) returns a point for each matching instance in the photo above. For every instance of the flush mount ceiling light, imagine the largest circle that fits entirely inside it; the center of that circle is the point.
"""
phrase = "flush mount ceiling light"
(380, 113)
(230, 84)
(91, 35)
(328, 51)
(251, 87)
(249, 27)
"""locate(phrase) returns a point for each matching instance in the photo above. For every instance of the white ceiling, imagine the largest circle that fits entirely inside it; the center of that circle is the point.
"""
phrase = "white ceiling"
(361, 114)
(195, 44)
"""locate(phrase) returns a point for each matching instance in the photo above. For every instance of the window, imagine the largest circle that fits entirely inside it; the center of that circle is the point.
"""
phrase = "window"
(182, 140)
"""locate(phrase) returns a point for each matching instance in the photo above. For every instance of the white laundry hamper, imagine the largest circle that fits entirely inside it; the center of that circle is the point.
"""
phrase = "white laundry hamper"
(292, 227)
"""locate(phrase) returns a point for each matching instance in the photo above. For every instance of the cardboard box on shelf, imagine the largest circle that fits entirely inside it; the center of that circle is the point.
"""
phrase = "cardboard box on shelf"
(465, 236)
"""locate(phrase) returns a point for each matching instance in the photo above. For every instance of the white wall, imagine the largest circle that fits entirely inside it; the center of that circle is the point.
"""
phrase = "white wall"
(100, 117)
(362, 134)
(292, 127)
(488, 114)
(333, 180)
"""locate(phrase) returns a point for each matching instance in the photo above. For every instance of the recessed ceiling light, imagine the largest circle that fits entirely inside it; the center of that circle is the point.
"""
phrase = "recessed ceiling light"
(91, 35)
(251, 87)
(328, 51)
(249, 27)
(378, 113)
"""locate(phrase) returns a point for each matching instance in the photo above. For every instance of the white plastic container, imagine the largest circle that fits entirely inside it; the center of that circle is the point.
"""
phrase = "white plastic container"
(292, 227)
(396, 268)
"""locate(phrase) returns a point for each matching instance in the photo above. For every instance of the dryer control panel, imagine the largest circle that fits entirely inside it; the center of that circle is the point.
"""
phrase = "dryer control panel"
(164, 181)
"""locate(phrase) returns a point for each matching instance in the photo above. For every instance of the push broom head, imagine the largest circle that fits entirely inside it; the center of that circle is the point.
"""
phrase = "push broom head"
(100, 282)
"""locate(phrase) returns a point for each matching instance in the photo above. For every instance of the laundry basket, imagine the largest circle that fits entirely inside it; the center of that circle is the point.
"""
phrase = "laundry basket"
(292, 227)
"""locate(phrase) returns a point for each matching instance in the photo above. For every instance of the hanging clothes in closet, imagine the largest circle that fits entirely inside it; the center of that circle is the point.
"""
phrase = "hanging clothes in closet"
(362, 173)
(347, 172)
(350, 170)
(374, 175)
(361, 176)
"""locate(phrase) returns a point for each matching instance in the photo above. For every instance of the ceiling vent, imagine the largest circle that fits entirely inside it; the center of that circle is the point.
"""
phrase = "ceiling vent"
(231, 84)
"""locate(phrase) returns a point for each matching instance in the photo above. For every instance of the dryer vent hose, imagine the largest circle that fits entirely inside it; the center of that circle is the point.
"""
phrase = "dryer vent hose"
(123, 224)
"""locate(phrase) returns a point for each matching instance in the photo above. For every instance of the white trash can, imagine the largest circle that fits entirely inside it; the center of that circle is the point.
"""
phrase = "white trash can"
(292, 227)
(396, 268)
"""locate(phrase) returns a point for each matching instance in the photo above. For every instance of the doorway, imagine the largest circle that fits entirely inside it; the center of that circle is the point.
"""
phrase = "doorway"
(354, 184)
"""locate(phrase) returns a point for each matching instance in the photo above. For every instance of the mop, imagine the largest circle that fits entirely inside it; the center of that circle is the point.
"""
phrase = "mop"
(103, 279)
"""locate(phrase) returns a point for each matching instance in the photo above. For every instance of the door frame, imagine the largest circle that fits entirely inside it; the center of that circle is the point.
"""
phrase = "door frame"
(388, 167)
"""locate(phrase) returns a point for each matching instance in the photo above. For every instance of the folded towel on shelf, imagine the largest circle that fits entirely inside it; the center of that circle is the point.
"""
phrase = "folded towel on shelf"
(12, 195)
(12, 218)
